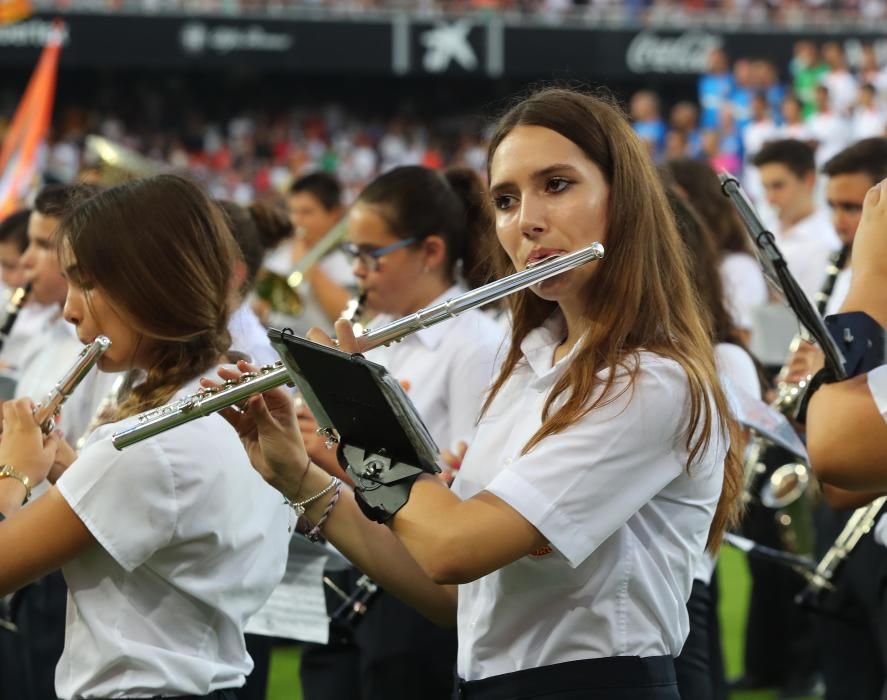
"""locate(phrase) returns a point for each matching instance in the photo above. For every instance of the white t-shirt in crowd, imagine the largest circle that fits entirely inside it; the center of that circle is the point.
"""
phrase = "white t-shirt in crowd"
(250, 337)
(806, 247)
(842, 90)
(47, 357)
(744, 286)
(868, 123)
(832, 133)
(449, 367)
(191, 542)
(612, 494)
(799, 132)
(335, 265)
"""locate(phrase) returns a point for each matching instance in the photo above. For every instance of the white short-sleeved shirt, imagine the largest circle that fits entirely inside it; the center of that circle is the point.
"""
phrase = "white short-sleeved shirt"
(449, 367)
(335, 265)
(191, 542)
(806, 247)
(48, 356)
(31, 322)
(249, 336)
(625, 521)
(744, 286)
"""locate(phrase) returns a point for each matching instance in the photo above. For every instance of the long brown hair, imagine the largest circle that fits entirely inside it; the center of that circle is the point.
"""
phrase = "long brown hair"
(162, 254)
(700, 183)
(640, 298)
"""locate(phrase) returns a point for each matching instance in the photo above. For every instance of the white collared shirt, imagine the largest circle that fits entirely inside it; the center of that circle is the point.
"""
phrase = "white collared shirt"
(806, 247)
(249, 336)
(448, 367)
(745, 288)
(31, 322)
(612, 495)
(191, 542)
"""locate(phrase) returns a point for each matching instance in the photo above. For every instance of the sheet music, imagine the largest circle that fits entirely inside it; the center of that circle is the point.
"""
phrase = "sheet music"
(297, 607)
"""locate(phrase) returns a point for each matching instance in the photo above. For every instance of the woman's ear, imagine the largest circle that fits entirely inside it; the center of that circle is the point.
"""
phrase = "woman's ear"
(435, 251)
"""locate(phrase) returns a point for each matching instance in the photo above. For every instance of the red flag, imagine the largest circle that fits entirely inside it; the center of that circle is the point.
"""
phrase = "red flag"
(30, 124)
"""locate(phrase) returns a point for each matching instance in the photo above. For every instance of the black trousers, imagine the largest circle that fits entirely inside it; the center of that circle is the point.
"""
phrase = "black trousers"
(700, 667)
(852, 625)
(780, 644)
(394, 652)
(227, 694)
(614, 678)
(259, 649)
(28, 657)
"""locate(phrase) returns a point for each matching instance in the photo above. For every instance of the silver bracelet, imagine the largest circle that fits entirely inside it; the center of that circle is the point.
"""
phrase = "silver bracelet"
(301, 506)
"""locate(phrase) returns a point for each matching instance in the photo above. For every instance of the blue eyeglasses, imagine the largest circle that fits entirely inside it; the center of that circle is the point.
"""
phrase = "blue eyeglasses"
(369, 257)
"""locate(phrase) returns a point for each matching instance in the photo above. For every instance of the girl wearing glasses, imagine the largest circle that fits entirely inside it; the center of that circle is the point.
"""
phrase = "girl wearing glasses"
(170, 546)
(417, 237)
(602, 465)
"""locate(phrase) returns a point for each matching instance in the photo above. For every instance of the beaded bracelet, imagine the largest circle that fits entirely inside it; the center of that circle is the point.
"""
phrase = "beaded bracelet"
(301, 506)
(314, 533)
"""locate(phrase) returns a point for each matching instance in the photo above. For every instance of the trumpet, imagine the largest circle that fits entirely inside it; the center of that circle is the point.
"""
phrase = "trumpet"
(48, 409)
(232, 392)
(13, 308)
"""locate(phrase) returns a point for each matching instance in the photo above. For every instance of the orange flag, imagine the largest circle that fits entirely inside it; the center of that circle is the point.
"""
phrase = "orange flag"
(14, 10)
(27, 132)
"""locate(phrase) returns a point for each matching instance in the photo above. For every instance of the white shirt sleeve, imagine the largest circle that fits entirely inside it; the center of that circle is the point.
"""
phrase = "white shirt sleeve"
(127, 500)
(877, 381)
(579, 486)
(744, 287)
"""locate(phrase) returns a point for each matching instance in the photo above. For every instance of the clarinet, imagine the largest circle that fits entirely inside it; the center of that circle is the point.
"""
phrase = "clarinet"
(836, 262)
(13, 308)
(821, 579)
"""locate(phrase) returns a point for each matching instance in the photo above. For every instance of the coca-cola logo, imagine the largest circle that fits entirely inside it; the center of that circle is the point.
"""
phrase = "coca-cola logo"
(686, 53)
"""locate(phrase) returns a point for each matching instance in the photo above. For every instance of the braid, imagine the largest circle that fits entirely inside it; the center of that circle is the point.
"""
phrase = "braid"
(179, 364)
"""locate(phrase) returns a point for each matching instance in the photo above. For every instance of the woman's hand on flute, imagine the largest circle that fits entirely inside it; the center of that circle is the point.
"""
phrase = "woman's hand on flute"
(268, 429)
(345, 338)
(24, 446)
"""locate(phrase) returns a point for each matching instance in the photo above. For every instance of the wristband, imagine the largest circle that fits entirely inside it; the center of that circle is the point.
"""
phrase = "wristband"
(860, 338)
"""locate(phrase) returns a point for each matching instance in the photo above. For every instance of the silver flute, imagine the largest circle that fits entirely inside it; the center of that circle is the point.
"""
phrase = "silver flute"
(48, 409)
(234, 392)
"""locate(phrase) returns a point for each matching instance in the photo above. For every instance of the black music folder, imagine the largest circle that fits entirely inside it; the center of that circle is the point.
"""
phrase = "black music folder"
(359, 405)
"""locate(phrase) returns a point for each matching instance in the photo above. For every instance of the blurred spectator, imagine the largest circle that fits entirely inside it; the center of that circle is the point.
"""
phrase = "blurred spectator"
(829, 128)
(841, 84)
(793, 125)
(807, 72)
(648, 124)
(715, 88)
(868, 115)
